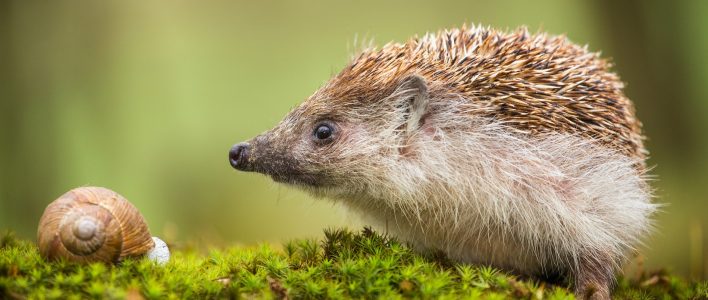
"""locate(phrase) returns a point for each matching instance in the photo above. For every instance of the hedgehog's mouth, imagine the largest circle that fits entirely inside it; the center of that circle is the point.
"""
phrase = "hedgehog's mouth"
(295, 178)
(283, 172)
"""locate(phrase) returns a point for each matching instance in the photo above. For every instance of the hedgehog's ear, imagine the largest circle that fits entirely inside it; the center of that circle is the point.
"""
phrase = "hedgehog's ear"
(412, 98)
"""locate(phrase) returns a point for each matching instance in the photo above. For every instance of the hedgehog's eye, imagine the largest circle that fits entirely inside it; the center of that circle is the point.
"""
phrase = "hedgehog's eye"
(323, 132)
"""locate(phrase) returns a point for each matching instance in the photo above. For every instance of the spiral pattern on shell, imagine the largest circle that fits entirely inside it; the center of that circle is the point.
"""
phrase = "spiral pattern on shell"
(89, 224)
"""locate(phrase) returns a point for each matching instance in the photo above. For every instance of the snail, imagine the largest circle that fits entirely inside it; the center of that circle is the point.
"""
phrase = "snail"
(95, 224)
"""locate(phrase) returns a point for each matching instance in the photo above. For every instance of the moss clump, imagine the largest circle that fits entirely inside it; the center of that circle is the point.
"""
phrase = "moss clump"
(344, 265)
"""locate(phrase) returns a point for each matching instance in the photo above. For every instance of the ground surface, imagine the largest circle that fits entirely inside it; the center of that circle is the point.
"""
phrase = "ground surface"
(344, 265)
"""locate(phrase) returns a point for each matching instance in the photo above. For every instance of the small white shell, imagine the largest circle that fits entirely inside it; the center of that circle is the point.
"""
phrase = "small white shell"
(161, 253)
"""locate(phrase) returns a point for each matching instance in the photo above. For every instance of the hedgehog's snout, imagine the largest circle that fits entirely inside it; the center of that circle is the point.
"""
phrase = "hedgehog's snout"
(238, 156)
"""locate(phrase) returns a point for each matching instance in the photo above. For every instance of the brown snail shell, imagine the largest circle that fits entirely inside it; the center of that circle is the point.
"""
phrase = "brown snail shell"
(90, 224)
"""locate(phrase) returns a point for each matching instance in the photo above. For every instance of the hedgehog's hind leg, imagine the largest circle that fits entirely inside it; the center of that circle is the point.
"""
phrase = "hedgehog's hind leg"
(594, 277)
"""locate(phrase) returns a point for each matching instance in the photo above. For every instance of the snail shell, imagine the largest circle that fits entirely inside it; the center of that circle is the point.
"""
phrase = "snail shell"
(90, 224)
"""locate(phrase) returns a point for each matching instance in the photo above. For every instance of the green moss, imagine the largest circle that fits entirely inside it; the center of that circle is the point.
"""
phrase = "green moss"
(344, 265)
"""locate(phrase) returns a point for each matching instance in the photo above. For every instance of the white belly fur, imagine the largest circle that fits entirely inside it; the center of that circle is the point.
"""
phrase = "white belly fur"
(520, 203)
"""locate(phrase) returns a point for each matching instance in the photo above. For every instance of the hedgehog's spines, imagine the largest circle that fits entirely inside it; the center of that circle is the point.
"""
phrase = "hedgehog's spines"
(534, 83)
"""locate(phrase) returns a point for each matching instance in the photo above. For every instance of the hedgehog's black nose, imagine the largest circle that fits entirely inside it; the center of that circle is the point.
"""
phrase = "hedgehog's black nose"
(238, 156)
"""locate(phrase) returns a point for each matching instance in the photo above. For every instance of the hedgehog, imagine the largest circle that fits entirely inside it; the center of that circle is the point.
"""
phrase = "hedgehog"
(500, 148)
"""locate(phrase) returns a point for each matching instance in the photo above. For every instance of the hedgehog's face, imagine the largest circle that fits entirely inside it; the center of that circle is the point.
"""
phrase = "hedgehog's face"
(335, 146)
(305, 149)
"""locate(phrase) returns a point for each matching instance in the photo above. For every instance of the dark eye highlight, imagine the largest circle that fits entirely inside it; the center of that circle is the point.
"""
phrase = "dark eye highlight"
(323, 132)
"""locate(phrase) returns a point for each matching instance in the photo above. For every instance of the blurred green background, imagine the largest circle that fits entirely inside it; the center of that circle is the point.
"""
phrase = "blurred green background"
(146, 98)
